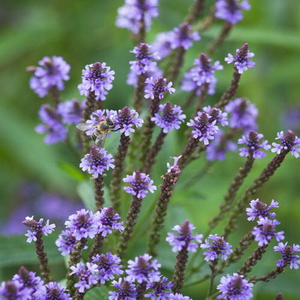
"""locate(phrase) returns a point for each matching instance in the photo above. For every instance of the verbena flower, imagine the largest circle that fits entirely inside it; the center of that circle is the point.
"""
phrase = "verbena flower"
(218, 247)
(70, 111)
(86, 274)
(126, 120)
(142, 269)
(108, 266)
(289, 142)
(156, 87)
(184, 238)
(175, 166)
(133, 12)
(65, 242)
(141, 184)
(178, 296)
(96, 162)
(243, 114)
(96, 78)
(163, 43)
(230, 10)
(51, 73)
(168, 117)
(37, 227)
(108, 220)
(51, 291)
(241, 59)
(217, 115)
(12, 290)
(202, 74)
(161, 289)
(235, 287)
(53, 127)
(183, 37)
(259, 209)
(253, 146)
(288, 256)
(265, 231)
(83, 224)
(126, 290)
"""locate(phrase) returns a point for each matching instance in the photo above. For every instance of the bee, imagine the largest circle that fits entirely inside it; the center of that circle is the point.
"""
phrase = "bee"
(100, 132)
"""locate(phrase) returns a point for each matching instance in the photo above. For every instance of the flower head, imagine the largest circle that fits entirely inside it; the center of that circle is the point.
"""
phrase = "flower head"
(174, 167)
(96, 78)
(156, 87)
(218, 246)
(265, 231)
(235, 287)
(184, 238)
(241, 61)
(168, 117)
(141, 184)
(52, 290)
(142, 269)
(288, 256)
(161, 289)
(96, 162)
(163, 43)
(260, 209)
(126, 120)
(70, 111)
(230, 10)
(289, 142)
(126, 290)
(183, 37)
(65, 242)
(253, 146)
(178, 296)
(51, 73)
(13, 290)
(37, 227)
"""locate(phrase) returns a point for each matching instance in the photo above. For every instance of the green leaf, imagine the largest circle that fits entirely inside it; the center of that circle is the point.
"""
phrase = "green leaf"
(97, 293)
(85, 190)
(71, 170)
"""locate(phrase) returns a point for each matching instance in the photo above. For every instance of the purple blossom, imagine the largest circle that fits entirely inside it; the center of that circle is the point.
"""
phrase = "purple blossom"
(65, 242)
(175, 166)
(96, 162)
(265, 231)
(243, 114)
(126, 120)
(230, 10)
(183, 37)
(70, 111)
(109, 220)
(126, 290)
(141, 184)
(241, 61)
(288, 256)
(161, 289)
(52, 290)
(83, 224)
(163, 43)
(178, 296)
(219, 146)
(87, 275)
(13, 290)
(96, 78)
(289, 142)
(37, 227)
(218, 246)
(51, 73)
(168, 117)
(202, 74)
(156, 87)
(204, 130)
(133, 12)
(184, 238)
(141, 269)
(217, 115)
(235, 287)
(260, 209)
(253, 146)
(108, 265)
(53, 126)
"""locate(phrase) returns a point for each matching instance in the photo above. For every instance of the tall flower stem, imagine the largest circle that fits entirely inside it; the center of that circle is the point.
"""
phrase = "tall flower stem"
(187, 152)
(173, 72)
(212, 266)
(96, 248)
(195, 11)
(271, 275)
(99, 192)
(139, 94)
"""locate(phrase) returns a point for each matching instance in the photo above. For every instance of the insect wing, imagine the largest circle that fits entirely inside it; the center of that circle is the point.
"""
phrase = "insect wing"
(83, 126)
(99, 142)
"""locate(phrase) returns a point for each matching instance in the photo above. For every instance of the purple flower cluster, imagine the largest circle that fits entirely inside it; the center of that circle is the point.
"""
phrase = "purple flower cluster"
(96, 78)
(126, 290)
(51, 73)
(218, 246)
(260, 209)
(289, 142)
(175, 166)
(202, 74)
(253, 146)
(235, 287)
(37, 227)
(241, 59)
(133, 12)
(109, 220)
(156, 87)
(96, 162)
(141, 184)
(52, 290)
(168, 117)
(161, 288)
(230, 10)
(288, 256)
(184, 238)
(70, 111)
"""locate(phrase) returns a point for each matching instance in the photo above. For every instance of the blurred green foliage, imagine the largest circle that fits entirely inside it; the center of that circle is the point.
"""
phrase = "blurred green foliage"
(83, 32)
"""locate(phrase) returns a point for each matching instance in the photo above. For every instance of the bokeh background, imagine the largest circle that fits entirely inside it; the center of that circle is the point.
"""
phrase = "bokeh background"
(42, 180)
